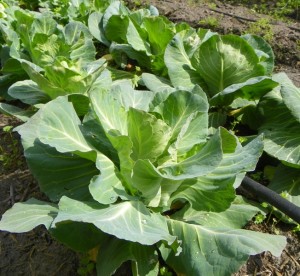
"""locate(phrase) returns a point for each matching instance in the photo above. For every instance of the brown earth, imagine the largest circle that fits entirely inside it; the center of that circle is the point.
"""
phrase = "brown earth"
(36, 253)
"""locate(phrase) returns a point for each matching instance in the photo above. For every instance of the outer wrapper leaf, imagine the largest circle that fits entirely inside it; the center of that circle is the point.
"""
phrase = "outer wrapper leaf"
(206, 194)
(263, 51)
(57, 125)
(252, 89)
(280, 128)
(217, 251)
(215, 190)
(290, 94)
(235, 217)
(28, 92)
(157, 84)
(59, 173)
(177, 59)
(24, 216)
(225, 60)
(129, 220)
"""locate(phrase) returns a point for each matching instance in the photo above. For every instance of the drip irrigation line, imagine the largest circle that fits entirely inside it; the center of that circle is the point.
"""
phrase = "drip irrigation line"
(271, 197)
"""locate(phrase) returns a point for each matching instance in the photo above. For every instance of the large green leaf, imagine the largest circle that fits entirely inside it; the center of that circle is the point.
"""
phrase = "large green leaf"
(136, 38)
(24, 20)
(216, 120)
(280, 128)
(216, 188)
(109, 111)
(103, 187)
(115, 8)
(118, 251)
(44, 48)
(11, 72)
(157, 84)
(206, 194)
(129, 220)
(129, 97)
(177, 60)
(24, 216)
(216, 251)
(252, 89)
(79, 38)
(28, 92)
(60, 174)
(225, 60)
(236, 216)
(194, 130)
(193, 133)
(44, 24)
(72, 77)
(160, 31)
(96, 28)
(290, 94)
(116, 28)
(95, 135)
(57, 125)
(123, 146)
(263, 51)
(236, 159)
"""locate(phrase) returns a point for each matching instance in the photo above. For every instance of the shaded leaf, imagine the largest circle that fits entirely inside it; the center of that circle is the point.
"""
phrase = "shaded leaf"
(118, 251)
(286, 181)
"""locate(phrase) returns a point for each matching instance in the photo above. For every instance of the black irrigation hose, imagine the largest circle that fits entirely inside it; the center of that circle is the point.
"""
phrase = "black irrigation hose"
(271, 197)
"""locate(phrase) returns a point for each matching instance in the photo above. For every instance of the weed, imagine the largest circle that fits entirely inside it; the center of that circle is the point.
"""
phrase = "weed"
(86, 266)
(259, 218)
(210, 21)
(9, 152)
(278, 9)
(296, 229)
(165, 272)
(210, 3)
(263, 28)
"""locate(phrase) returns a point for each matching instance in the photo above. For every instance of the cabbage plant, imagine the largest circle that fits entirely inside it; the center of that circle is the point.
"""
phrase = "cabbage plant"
(141, 166)
(141, 178)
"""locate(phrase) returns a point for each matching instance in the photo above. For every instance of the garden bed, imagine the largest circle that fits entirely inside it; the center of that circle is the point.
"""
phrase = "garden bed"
(36, 253)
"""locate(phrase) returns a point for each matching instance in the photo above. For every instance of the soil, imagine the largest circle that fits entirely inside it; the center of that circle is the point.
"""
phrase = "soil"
(36, 253)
